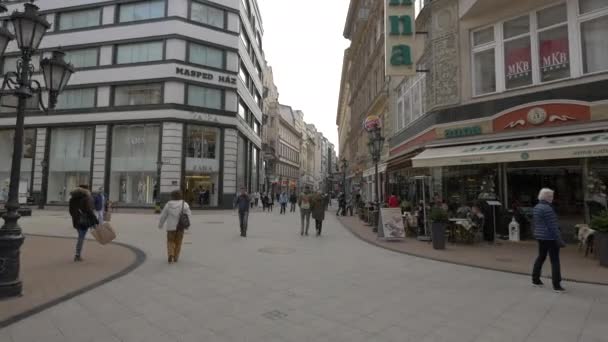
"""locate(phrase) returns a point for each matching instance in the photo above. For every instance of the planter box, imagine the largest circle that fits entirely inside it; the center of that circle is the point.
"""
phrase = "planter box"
(601, 246)
(438, 234)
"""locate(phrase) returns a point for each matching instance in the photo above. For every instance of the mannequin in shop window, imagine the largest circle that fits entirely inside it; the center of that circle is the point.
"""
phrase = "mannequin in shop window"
(141, 189)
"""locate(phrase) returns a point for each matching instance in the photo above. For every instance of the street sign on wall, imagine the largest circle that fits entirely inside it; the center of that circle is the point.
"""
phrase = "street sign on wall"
(399, 38)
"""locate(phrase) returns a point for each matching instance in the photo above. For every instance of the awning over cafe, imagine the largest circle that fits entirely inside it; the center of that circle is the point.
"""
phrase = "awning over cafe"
(561, 147)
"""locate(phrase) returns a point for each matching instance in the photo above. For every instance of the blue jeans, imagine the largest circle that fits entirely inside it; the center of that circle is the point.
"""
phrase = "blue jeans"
(243, 216)
(82, 233)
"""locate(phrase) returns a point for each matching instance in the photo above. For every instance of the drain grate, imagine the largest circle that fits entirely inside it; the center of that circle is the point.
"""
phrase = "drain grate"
(274, 315)
(277, 250)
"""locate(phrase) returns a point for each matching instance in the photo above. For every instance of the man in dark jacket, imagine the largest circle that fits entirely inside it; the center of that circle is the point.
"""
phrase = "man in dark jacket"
(546, 231)
(293, 199)
(242, 204)
(83, 216)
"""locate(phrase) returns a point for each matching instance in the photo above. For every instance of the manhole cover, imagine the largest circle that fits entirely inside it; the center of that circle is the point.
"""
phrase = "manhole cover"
(277, 250)
(214, 222)
(274, 315)
(504, 259)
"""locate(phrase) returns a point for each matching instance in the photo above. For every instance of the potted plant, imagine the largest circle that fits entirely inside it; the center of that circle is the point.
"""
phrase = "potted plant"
(439, 219)
(405, 206)
(599, 223)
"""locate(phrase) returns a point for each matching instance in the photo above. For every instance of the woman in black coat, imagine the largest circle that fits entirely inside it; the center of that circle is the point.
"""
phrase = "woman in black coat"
(83, 216)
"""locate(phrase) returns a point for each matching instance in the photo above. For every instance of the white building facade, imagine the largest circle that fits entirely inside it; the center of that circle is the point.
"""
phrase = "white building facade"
(166, 96)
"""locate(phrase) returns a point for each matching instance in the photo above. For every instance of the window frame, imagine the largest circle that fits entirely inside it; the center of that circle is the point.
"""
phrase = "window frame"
(208, 4)
(57, 23)
(115, 48)
(209, 86)
(580, 19)
(98, 48)
(120, 6)
(113, 94)
(224, 55)
(95, 96)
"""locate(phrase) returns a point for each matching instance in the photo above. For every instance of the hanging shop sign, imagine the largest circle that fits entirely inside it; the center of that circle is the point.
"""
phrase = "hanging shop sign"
(399, 37)
(542, 115)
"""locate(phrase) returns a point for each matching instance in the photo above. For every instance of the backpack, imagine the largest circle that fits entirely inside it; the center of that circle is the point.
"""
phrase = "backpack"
(98, 202)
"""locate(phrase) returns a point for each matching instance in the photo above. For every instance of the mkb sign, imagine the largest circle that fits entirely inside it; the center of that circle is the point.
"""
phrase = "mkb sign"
(399, 35)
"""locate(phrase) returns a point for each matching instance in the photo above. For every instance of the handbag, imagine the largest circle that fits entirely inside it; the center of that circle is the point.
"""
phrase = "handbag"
(104, 233)
(183, 223)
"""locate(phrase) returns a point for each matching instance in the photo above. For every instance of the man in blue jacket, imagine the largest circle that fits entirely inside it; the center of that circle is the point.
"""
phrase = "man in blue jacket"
(546, 231)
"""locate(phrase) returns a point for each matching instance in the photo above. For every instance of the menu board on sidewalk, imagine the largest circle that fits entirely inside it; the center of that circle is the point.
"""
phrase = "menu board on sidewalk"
(391, 224)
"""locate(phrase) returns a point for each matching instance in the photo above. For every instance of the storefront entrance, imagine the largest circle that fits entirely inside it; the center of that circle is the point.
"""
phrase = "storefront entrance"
(201, 190)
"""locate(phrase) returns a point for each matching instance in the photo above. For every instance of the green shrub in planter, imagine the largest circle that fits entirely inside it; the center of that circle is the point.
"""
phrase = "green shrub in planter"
(599, 223)
(438, 215)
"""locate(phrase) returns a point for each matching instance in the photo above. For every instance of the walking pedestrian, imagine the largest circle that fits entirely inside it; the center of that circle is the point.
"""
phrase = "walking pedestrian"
(256, 198)
(304, 201)
(83, 217)
(270, 202)
(241, 203)
(293, 199)
(283, 199)
(169, 220)
(99, 204)
(393, 201)
(546, 231)
(318, 205)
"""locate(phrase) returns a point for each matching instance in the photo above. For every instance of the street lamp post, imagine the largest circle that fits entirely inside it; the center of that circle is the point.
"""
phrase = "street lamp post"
(376, 141)
(30, 28)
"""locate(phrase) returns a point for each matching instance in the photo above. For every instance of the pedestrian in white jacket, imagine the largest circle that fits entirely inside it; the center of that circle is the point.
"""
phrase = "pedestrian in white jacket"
(169, 219)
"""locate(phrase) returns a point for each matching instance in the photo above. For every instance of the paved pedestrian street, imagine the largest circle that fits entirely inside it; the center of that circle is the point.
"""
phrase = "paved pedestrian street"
(275, 285)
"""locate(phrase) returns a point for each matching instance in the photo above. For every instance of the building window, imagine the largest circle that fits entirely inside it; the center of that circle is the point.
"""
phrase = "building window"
(139, 52)
(593, 31)
(134, 167)
(83, 58)
(241, 163)
(256, 127)
(79, 19)
(141, 94)
(77, 98)
(141, 10)
(518, 58)
(242, 110)
(7, 138)
(554, 50)
(410, 105)
(244, 37)
(10, 63)
(207, 15)
(206, 55)
(69, 161)
(204, 97)
(244, 75)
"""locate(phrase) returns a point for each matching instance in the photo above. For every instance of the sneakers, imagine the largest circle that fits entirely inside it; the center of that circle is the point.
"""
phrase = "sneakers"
(537, 283)
(171, 260)
(559, 289)
(77, 258)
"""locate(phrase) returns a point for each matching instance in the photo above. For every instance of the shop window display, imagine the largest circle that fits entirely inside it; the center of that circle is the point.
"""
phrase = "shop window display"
(70, 155)
(597, 178)
(202, 166)
(6, 155)
(134, 166)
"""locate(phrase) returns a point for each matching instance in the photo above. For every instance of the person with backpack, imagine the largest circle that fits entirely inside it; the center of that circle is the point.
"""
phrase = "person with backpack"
(175, 218)
(241, 203)
(305, 205)
(83, 217)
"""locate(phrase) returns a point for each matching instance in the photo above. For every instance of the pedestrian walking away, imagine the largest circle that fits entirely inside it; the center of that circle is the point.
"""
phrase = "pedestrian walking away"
(304, 201)
(318, 205)
(241, 203)
(256, 198)
(293, 200)
(283, 199)
(270, 202)
(547, 233)
(170, 220)
(81, 207)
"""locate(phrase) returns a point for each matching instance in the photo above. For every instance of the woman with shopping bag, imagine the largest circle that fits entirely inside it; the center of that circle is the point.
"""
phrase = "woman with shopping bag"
(175, 218)
(83, 217)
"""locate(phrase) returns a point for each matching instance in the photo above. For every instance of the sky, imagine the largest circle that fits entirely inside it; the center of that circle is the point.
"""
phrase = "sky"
(303, 42)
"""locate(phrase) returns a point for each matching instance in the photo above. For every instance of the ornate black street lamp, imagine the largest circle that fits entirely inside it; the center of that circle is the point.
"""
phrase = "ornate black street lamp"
(30, 28)
(376, 141)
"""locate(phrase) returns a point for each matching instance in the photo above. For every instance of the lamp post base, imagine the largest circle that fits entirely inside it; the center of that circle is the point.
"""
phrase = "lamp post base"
(10, 242)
